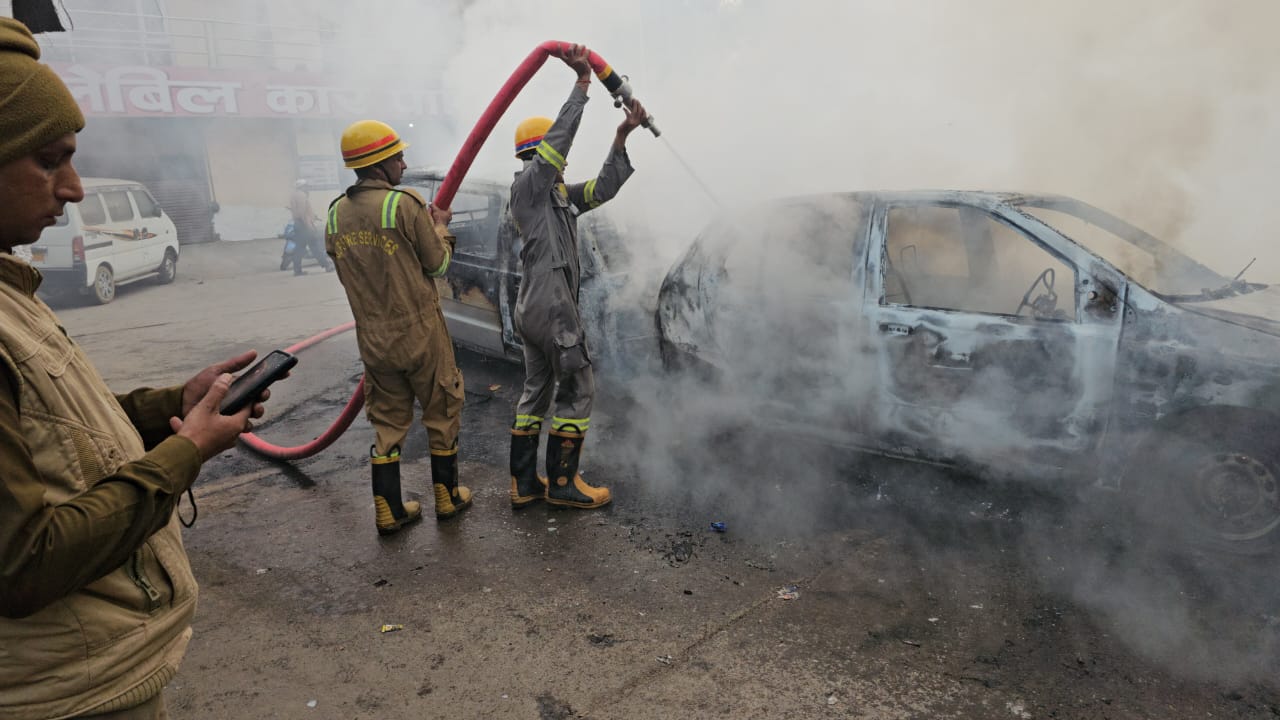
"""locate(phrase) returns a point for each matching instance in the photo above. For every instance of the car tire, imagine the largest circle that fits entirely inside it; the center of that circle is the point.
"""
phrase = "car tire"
(168, 268)
(1216, 485)
(104, 285)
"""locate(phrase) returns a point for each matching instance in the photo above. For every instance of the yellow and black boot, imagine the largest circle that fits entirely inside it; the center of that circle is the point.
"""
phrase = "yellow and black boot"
(390, 513)
(451, 498)
(565, 487)
(526, 485)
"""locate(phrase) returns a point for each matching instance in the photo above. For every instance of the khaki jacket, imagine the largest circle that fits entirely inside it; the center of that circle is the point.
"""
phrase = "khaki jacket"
(387, 254)
(85, 505)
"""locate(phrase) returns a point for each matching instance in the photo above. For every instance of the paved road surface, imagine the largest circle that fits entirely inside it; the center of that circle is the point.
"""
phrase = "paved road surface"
(918, 594)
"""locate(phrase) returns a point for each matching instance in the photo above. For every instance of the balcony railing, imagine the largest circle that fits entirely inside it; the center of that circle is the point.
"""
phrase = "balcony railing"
(148, 39)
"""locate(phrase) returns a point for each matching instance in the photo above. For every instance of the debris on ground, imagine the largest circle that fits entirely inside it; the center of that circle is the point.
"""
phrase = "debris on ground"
(831, 700)
(1018, 709)
(719, 527)
(494, 388)
(390, 628)
(681, 552)
(912, 643)
(311, 703)
(664, 659)
(263, 571)
(790, 592)
(602, 639)
(380, 582)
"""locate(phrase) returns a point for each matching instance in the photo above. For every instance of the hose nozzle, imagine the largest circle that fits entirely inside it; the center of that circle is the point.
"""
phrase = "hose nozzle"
(620, 88)
(651, 126)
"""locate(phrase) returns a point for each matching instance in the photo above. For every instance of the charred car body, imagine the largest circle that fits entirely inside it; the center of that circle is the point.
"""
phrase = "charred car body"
(478, 293)
(1015, 334)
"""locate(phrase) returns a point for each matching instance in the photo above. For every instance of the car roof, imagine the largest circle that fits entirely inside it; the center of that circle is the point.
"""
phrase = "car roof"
(421, 175)
(982, 198)
(91, 183)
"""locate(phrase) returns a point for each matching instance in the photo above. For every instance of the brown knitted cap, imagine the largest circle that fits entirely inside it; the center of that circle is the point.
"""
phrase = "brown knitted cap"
(36, 107)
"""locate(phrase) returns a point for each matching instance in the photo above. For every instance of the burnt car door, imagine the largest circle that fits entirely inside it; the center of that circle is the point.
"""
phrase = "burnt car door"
(782, 298)
(618, 294)
(994, 344)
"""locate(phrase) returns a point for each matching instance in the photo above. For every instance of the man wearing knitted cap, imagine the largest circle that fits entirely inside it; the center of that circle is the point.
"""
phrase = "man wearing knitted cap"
(96, 592)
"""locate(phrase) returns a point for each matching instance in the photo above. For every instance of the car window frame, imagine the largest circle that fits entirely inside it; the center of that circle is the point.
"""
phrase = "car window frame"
(880, 224)
(102, 208)
(134, 192)
(133, 211)
(488, 227)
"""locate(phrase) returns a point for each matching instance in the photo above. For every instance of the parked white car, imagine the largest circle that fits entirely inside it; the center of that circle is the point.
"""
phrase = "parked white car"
(116, 235)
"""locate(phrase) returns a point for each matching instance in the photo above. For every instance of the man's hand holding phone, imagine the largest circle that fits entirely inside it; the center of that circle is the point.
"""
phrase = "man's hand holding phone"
(206, 426)
(218, 407)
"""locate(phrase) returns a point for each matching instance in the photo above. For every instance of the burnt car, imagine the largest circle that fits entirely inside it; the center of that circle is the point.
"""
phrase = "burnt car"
(1021, 335)
(478, 293)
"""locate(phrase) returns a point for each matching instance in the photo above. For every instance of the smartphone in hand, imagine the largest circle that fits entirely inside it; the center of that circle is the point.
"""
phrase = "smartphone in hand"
(248, 387)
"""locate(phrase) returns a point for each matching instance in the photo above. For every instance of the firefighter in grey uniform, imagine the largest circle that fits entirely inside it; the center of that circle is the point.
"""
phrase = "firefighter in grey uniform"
(556, 362)
(388, 245)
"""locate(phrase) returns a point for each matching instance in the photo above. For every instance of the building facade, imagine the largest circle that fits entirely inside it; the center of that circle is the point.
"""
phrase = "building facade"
(220, 108)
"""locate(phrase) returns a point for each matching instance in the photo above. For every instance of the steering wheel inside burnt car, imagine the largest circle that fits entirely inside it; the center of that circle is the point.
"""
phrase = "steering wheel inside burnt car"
(1046, 303)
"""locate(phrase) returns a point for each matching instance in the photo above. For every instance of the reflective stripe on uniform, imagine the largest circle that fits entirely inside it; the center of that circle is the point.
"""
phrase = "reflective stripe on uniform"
(444, 266)
(559, 424)
(550, 154)
(589, 194)
(389, 205)
(527, 422)
(333, 218)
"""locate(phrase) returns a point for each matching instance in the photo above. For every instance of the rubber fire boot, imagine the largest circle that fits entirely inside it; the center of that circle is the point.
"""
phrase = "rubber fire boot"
(565, 487)
(451, 498)
(390, 513)
(526, 486)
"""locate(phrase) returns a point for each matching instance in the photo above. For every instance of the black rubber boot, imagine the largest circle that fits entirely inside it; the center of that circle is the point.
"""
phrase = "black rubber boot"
(565, 487)
(390, 512)
(451, 498)
(526, 487)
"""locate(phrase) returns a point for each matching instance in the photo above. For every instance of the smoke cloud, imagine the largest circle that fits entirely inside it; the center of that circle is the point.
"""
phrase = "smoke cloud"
(1160, 111)
(1156, 111)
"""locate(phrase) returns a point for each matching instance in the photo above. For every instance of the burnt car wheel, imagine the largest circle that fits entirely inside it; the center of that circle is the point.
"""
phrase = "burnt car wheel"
(1221, 483)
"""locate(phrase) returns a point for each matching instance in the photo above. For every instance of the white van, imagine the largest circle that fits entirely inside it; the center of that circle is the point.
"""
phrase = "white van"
(116, 235)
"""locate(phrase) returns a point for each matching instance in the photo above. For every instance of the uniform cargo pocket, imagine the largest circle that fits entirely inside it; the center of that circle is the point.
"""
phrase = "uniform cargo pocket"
(454, 392)
(573, 357)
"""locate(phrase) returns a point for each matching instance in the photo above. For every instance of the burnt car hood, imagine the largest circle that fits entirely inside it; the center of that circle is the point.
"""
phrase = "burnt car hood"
(1258, 310)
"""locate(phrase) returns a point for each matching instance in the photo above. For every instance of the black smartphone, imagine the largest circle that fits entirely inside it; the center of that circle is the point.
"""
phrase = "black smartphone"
(248, 387)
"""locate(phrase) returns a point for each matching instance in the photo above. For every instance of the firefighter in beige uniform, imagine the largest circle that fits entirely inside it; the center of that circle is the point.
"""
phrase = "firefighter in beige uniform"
(557, 364)
(388, 245)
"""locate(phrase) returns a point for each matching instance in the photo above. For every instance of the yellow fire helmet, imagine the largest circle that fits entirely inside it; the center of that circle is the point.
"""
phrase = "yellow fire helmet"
(369, 142)
(529, 133)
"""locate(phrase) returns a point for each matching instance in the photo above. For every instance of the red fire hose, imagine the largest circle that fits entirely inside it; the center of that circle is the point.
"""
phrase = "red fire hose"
(616, 85)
